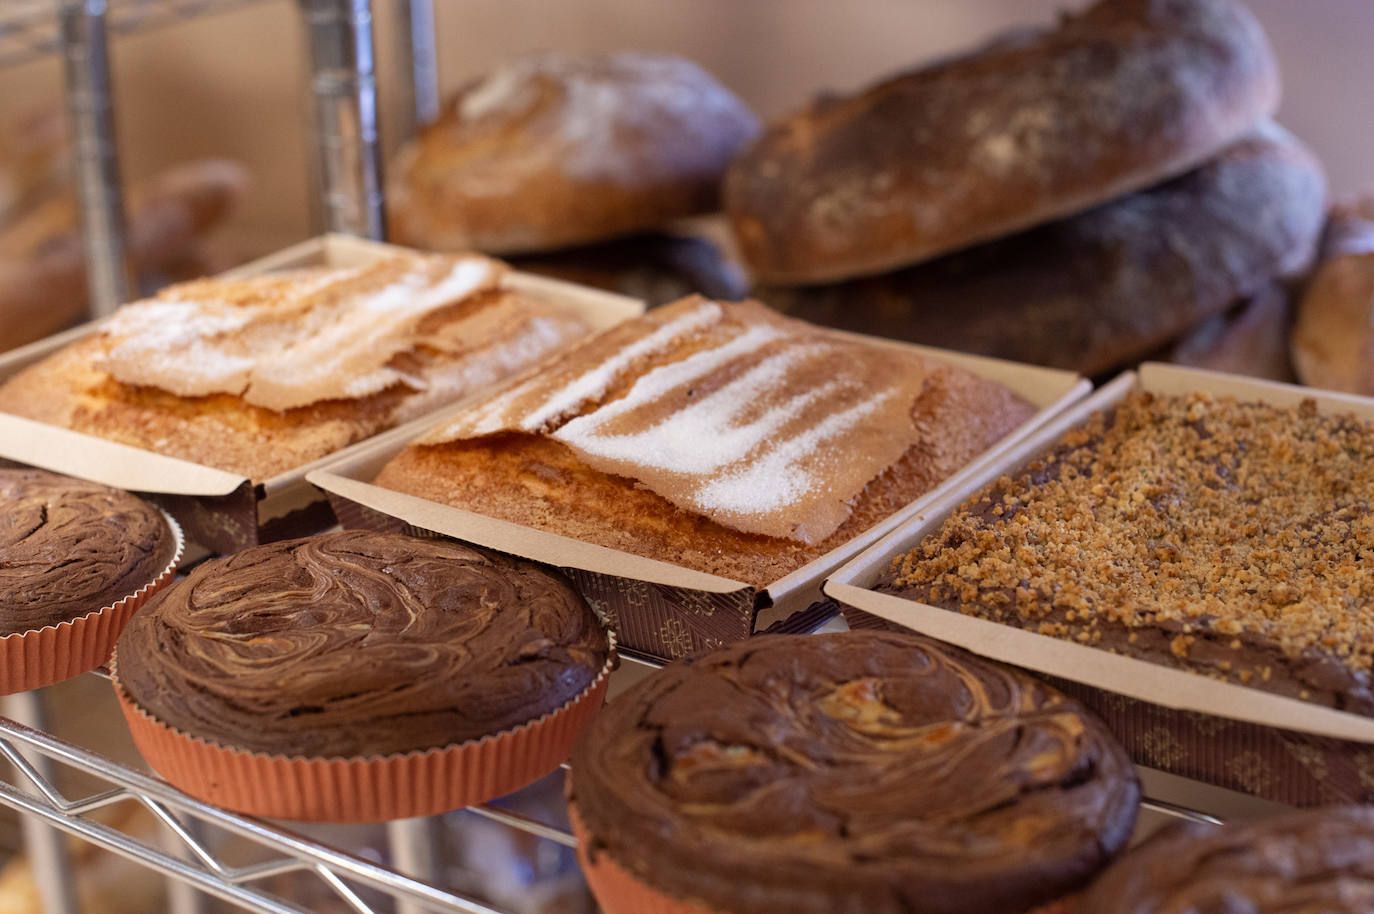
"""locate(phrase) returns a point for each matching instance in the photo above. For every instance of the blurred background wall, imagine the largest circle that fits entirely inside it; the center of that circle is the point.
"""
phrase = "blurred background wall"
(231, 84)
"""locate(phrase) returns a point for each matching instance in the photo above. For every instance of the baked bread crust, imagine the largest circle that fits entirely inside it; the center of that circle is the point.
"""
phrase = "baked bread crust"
(1109, 286)
(1026, 130)
(1333, 338)
(552, 151)
(73, 389)
(1250, 339)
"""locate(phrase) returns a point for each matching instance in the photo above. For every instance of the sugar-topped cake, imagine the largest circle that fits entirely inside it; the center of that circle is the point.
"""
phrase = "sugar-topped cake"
(719, 436)
(261, 375)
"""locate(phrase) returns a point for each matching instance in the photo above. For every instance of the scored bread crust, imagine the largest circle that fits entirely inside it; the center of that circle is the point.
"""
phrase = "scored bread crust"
(552, 151)
(223, 430)
(538, 482)
(1026, 130)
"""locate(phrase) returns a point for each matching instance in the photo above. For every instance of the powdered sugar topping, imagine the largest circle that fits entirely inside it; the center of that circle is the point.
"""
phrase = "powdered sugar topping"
(283, 343)
(734, 418)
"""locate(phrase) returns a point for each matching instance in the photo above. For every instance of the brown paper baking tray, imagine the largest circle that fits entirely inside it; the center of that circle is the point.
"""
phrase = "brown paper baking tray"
(221, 511)
(660, 610)
(1232, 736)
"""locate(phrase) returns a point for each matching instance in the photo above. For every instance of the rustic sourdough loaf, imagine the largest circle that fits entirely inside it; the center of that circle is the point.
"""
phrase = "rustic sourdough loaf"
(1031, 128)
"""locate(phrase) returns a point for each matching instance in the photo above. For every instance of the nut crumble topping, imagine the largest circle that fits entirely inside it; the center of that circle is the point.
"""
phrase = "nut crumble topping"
(1225, 537)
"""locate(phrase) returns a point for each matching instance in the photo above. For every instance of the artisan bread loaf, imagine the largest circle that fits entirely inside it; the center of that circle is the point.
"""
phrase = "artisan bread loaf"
(1108, 286)
(258, 376)
(1029, 129)
(716, 436)
(1333, 339)
(552, 151)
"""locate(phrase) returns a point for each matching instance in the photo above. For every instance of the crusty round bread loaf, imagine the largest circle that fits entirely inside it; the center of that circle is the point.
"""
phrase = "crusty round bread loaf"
(1333, 339)
(1028, 129)
(1108, 286)
(551, 151)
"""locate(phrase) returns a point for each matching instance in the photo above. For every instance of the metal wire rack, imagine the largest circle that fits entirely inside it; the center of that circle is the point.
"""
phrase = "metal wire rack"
(30, 29)
(193, 850)
(199, 839)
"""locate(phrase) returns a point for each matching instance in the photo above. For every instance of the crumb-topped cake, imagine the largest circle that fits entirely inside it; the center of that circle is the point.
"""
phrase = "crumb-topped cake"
(1226, 538)
(718, 436)
(260, 375)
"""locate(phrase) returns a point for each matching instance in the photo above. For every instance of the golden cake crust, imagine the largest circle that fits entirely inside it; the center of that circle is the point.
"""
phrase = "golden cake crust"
(533, 480)
(73, 388)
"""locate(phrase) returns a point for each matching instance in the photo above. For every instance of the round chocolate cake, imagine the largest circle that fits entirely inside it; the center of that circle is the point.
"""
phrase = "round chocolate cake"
(1318, 860)
(358, 644)
(69, 547)
(856, 772)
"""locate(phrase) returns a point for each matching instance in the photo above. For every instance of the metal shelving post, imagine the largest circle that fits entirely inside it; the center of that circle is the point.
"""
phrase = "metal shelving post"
(343, 82)
(86, 67)
(419, 60)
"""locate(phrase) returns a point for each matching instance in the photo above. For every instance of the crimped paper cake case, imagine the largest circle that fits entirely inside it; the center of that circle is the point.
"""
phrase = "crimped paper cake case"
(375, 789)
(33, 659)
(619, 892)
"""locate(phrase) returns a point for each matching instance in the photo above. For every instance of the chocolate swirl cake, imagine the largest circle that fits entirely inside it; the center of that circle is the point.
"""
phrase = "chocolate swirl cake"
(1315, 860)
(1225, 538)
(861, 771)
(69, 547)
(359, 644)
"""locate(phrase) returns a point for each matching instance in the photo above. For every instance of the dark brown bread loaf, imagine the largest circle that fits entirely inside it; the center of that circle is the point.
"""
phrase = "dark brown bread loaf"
(1108, 286)
(1250, 339)
(1029, 129)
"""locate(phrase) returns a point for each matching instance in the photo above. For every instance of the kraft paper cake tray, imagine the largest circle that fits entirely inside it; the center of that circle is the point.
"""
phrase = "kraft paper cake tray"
(221, 511)
(1183, 723)
(664, 611)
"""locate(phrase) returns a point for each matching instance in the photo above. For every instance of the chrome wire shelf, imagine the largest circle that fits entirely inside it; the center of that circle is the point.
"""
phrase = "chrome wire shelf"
(29, 785)
(30, 29)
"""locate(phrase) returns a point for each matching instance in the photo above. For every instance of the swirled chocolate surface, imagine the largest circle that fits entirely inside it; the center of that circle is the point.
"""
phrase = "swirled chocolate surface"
(1319, 860)
(68, 547)
(358, 644)
(863, 772)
